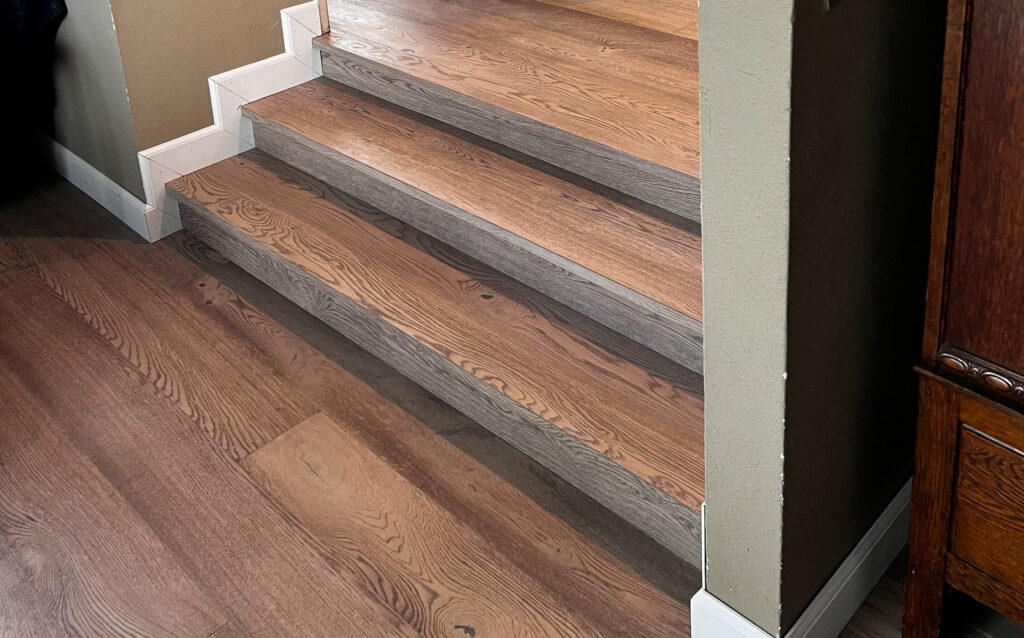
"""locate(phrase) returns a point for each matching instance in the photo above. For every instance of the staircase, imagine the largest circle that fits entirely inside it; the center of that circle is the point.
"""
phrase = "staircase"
(500, 199)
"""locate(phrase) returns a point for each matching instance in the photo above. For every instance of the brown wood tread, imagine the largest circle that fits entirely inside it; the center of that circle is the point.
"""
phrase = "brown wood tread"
(583, 89)
(623, 424)
(636, 273)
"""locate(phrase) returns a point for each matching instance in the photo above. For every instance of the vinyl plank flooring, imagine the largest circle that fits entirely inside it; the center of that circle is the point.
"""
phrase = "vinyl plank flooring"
(83, 560)
(209, 378)
(441, 577)
(583, 554)
(234, 543)
(181, 480)
(633, 272)
(523, 356)
(572, 93)
(608, 100)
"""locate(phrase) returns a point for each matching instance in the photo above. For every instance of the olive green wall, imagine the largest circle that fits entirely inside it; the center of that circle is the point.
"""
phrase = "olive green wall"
(745, 53)
(92, 117)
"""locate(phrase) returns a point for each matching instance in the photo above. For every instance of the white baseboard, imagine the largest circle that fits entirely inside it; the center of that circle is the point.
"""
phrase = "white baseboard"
(711, 618)
(230, 133)
(837, 601)
(149, 222)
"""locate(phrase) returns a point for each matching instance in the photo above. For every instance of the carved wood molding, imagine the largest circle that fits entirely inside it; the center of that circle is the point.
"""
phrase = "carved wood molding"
(982, 372)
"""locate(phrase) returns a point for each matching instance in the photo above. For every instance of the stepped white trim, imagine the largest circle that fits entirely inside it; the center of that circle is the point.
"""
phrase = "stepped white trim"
(230, 133)
(837, 601)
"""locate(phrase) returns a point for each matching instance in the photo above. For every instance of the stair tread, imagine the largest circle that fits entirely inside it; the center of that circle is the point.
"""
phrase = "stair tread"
(477, 319)
(629, 88)
(646, 255)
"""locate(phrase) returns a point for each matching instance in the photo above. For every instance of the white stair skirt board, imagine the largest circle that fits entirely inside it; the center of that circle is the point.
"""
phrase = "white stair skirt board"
(230, 133)
(837, 601)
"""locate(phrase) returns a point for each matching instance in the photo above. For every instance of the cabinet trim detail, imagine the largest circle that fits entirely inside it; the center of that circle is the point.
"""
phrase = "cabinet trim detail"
(982, 372)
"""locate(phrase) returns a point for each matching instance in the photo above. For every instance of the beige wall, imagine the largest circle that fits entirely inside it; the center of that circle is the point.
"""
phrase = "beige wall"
(92, 116)
(170, 47)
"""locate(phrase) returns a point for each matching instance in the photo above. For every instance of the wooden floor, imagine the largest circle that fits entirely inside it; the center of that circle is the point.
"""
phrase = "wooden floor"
(183, 452)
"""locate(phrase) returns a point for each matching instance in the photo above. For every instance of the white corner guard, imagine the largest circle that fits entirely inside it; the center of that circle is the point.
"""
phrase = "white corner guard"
(837, 601)
(230, 133)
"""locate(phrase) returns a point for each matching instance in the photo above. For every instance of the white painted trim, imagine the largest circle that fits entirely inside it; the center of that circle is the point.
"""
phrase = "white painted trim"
(837, 601)
(150, 223)
(851, 583)
(230, 133)
(711, 618)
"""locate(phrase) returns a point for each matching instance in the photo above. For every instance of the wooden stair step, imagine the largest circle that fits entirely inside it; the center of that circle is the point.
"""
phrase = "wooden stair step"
(606, 99)
(622, 424)
(635, 273)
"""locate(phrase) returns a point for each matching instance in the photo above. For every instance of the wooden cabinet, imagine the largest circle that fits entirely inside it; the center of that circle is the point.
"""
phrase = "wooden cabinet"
(967, 515)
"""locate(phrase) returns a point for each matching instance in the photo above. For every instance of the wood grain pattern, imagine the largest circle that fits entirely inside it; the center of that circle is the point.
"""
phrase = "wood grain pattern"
(607, 100)
(986, 272)
(69, 541)
(634, 273)
(1004, 600)
(541, 392)
(993, 420)
(945, 177)
(233, 542)
(213, 383)
(412, 554)
(491, 489)
(325, 20)
(988, 521)
(930, 507)
(669, 16)
(593, 562)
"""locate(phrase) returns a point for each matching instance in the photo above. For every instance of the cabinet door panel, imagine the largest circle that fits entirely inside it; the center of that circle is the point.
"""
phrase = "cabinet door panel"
(985, 310)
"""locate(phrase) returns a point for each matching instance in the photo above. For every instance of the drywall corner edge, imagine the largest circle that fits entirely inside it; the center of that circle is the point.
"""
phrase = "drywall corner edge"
(230, 134)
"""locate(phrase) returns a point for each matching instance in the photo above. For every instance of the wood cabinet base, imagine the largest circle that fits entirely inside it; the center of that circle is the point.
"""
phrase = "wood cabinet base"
(966, 516)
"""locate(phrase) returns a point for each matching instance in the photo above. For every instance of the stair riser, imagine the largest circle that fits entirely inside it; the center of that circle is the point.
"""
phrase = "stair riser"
(640, 318)
(667, 521)
(675, 192)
